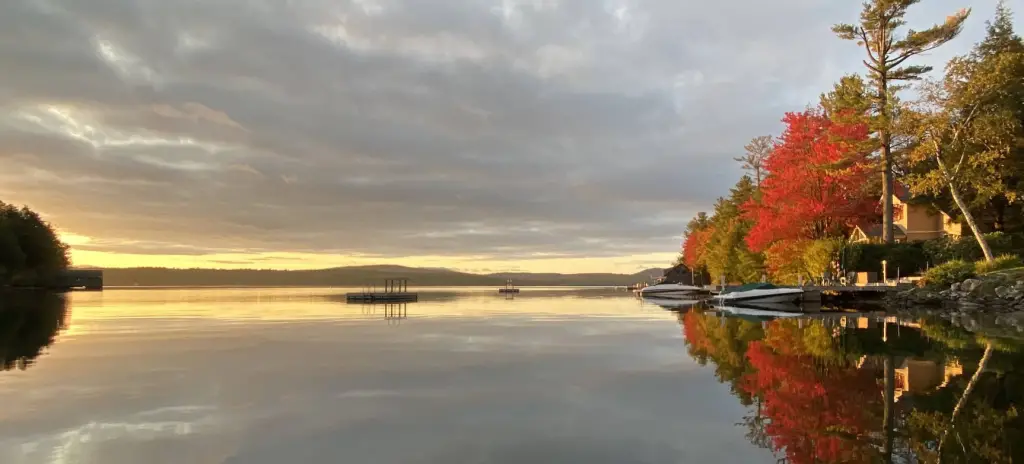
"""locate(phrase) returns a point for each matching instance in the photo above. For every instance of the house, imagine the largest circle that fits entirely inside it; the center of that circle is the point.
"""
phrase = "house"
(680, 274)
(911, 222)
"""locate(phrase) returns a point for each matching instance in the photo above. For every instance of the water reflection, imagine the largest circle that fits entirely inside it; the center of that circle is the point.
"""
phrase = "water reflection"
(29, 322)
(867, 388)
(391, 312)
(295, 375)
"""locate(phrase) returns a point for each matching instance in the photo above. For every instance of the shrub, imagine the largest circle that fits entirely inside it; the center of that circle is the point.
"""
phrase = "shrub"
(966, 248)
(1000, 263)
(905, 258)
(948, 273)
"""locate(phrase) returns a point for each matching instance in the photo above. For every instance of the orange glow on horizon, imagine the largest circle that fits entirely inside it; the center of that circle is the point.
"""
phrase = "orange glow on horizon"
(628, 264)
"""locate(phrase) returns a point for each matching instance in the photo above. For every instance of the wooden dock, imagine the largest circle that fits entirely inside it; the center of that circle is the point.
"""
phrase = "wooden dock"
(395, 291)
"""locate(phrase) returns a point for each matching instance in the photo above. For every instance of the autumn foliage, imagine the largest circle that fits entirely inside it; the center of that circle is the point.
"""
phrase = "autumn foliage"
(816, 186)
(695, 246)
(784, 259)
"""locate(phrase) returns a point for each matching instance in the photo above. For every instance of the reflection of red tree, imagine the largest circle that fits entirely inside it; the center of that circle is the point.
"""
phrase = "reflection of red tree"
(816, 413)
(693, 330)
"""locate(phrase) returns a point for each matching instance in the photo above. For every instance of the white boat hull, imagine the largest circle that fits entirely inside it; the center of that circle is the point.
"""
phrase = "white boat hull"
(669, 294)
(670, 291)
(775, 295)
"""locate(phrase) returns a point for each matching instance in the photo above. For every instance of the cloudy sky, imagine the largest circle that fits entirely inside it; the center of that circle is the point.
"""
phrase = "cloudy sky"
(482, 135)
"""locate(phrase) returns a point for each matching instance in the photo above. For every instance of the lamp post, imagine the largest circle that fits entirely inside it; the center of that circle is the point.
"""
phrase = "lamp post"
(885, 275)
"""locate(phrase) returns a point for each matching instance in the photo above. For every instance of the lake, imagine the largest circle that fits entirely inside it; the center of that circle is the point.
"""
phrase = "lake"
(468, 376)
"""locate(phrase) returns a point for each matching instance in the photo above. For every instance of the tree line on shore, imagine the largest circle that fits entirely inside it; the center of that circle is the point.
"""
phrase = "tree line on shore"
(956, 147)
(31, 254)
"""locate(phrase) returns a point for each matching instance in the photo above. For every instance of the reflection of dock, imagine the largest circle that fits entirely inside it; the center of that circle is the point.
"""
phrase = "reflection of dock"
(395, 291)
(393, 312)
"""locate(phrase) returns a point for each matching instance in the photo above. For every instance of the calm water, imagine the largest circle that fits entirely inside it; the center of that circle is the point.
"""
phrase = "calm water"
(464, 376)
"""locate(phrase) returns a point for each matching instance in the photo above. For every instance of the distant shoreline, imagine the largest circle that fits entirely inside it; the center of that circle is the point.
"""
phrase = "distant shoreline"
(357, 277)
(347, 287)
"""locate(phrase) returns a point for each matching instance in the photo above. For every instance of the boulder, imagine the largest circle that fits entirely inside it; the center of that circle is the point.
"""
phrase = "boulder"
(970, 285)
(1003, 292)
(955, 287)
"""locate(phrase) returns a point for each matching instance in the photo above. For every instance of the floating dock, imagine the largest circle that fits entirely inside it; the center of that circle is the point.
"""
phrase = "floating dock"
(508, 288)
(395, 291)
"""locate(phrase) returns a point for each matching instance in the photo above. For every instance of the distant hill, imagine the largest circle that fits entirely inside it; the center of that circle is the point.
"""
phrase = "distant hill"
(355, 276)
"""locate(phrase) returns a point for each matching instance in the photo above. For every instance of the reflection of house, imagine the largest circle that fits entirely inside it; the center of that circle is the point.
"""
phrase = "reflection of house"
(920, 375)
(912, 222)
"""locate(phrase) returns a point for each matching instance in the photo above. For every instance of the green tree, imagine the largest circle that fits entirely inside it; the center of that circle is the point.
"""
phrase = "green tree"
(30, 252)
(877, 32)
(849, 101)
(992, 77)
(971, 136)
(727, 253)
(942, 131)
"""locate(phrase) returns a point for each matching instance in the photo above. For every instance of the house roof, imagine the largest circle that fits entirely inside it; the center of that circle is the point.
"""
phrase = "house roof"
(901, 192)
(875, 230)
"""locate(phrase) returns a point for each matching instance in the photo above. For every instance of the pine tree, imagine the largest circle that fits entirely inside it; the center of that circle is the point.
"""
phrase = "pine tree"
(886, 54)
(757, 151)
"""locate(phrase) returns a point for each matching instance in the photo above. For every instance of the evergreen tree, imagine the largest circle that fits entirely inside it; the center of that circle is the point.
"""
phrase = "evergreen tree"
(30, 252)
(887, 54)
(757, 150)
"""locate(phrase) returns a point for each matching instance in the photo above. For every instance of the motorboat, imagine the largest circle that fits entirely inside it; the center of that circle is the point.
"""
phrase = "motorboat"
(760, 293)
(671, 291)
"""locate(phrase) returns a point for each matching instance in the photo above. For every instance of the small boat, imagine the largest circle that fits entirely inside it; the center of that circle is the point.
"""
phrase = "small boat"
(760, 293)
(671, 291)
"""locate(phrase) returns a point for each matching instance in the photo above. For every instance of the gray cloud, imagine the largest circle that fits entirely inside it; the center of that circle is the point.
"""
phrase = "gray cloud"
(397, 127)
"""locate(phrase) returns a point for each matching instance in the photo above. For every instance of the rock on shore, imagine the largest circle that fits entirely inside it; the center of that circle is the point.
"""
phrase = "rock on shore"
(991, 293)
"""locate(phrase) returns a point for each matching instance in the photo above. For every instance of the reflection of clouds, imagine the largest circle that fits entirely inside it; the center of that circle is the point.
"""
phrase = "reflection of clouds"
(88, 441)
(212, 377)
(543, 450)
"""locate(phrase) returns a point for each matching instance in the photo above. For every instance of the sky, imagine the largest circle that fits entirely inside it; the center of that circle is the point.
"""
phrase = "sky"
(479, 135)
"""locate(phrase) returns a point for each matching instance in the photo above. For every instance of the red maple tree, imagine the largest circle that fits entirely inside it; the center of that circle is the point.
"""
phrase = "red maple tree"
(694, 246)
(816, 184)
